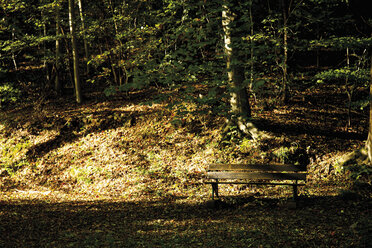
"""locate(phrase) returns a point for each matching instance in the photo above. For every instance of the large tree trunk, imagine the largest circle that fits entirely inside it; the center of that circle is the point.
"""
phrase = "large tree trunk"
(75, 54)
(239, 99)
(235, 71)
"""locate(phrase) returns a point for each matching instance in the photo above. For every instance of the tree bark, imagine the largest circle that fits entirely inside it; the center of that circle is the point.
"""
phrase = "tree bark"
(235, 71)
(75, 54)
(239, 98)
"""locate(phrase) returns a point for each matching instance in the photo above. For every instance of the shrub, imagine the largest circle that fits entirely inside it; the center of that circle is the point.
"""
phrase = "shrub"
(8, 94)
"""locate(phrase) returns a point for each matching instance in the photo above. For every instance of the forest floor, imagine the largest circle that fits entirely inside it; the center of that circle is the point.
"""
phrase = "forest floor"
(118, 173)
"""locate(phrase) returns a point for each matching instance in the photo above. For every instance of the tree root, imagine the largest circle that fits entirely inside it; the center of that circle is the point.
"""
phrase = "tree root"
(359, 156)
(246, 127)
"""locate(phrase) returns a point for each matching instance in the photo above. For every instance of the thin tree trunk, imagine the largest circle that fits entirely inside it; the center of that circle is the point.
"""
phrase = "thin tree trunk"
(82, 19)
(251, 40)
(113, 15)
(285, 51)
(348, 91)
(69, 63)
(45, 63)
(369, 139)
(13, 55)
(57, 82)
(118, 76)
(75, 54)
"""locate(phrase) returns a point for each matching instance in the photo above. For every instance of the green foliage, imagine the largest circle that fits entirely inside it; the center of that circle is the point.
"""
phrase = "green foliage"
(231, 135)
(179, 44)
(359, 171)
(9, 94)
(342, 43)
(349, 79)
(292, 155)
(87, 174)
(360, 104)
(13, 154)
(352, 75)
(247, 146)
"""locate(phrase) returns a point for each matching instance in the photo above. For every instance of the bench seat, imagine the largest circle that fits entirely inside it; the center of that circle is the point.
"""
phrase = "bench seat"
(259, 174)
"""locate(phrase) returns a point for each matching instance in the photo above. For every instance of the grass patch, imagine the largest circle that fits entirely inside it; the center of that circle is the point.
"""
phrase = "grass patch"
(13, 154)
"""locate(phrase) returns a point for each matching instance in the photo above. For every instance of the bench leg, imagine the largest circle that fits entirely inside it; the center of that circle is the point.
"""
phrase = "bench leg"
(215, 190)
(295, 196)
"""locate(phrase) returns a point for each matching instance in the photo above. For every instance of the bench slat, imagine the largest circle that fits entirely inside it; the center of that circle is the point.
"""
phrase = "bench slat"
(256, 175)
(258, 183)
(257, 167)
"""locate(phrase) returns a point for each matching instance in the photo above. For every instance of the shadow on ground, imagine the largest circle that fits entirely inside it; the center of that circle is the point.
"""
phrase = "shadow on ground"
(317, 222)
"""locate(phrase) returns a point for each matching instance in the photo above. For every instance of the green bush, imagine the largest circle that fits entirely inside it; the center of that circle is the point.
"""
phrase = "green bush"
(8, 94)
(358, 171)
(292, 155)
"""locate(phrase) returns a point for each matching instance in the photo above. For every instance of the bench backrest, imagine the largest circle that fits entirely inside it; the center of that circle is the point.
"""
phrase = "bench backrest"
(256, 171)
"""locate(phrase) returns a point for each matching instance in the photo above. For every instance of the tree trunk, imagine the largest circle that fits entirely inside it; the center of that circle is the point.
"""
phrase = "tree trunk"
(285, 93)
(369, 139)
(235, 71)
(13, 55)
(82, 19)
(75, 54)
(57, 82)
(251, 50)
(45, 62)
(239, 99)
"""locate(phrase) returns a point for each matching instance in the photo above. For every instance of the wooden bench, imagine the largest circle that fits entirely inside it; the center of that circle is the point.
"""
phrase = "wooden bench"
(264, 174)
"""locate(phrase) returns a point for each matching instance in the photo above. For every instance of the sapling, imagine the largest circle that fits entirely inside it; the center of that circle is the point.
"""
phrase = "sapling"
(350, 78)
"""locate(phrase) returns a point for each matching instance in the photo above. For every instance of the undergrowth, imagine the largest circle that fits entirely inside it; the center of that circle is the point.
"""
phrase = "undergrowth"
(131, 151)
